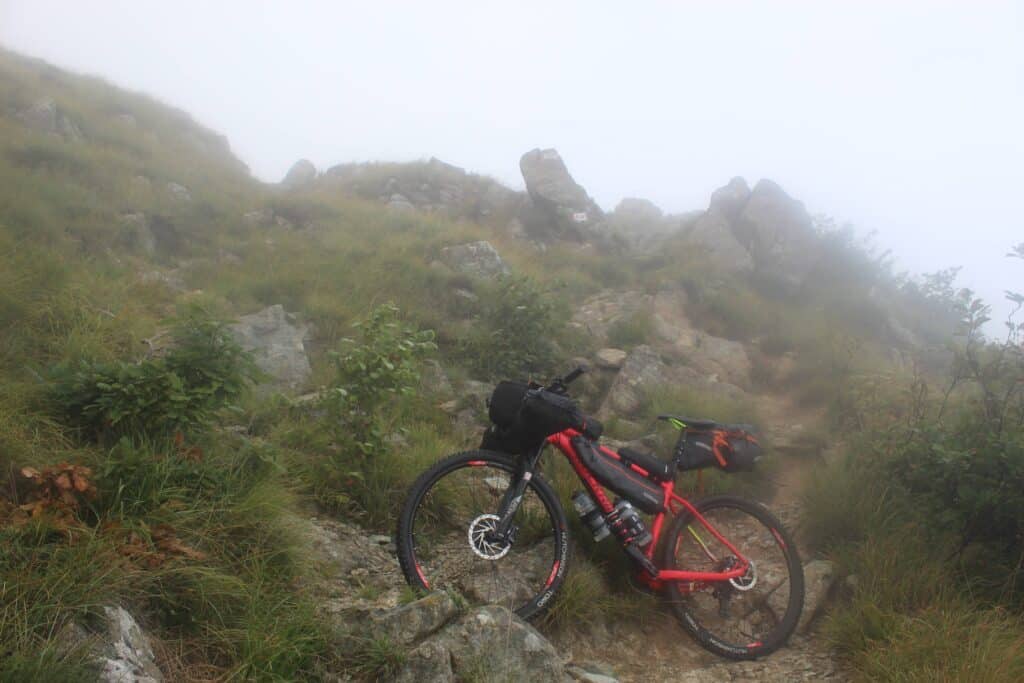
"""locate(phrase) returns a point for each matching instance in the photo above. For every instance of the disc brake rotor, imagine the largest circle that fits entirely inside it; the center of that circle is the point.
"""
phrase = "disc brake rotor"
(481, 538)
(747, 581)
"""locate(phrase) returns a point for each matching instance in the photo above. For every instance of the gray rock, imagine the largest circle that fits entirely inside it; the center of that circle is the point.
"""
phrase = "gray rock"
(714, 232)
(489, 643)
(125, 655)
(729, 200)
(435, 380)
(179, 192)
(644, 370)
(46, 117)
(559, 206)
(398, 202)
(171, 279)
(475, 258)
(819, 578)
(598, 313)
(137, 233)
(640, 221)
(548, 180)
(258, 217)
(778, 231)
(415, 621)
(302, 173)
(610, 359)
(277, 345)
(581, 673)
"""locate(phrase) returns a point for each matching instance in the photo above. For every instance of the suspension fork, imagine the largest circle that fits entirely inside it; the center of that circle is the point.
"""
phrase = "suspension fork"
(513, 497)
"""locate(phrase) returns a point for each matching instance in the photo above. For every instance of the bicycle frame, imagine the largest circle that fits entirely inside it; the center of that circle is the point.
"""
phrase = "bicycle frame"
(672, 504)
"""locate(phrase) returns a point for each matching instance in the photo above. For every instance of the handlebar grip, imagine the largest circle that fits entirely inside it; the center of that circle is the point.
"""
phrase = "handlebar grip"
(573, 376)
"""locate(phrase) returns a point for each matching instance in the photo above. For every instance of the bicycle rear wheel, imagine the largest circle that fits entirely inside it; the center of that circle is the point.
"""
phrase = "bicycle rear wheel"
(443, 539)
(748, 617)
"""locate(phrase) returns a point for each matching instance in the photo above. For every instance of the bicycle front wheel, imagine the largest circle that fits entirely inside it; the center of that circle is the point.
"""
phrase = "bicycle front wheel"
(748, 617)
(443, 540)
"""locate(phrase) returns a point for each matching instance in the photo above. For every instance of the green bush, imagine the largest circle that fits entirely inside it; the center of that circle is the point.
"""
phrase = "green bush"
(369, 374)
(514, 336)
(205, 371)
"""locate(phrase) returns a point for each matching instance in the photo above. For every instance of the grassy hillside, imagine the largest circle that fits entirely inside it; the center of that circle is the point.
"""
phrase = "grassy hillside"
(128, 233)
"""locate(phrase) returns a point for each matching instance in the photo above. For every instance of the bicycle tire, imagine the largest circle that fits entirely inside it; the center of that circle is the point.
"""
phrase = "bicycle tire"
(406, 542)
(680, 602)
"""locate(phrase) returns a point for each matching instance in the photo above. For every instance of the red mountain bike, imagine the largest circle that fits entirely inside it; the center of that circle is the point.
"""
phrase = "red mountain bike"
(486, 523)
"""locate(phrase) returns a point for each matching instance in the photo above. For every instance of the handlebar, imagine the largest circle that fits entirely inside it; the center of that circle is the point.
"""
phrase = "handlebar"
(574, 375)
(559, 384)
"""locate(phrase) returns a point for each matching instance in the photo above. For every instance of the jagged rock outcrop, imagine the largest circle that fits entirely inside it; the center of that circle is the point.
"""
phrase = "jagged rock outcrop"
(716, 229)
(596, 315)
(432, 185)
(779, 231)
(559, 206)
(120, 649)
(643, 371)
(763, 229)
(486, 643)
(480, 259)
(718, 358)
(301, 174)
(277, 343)
(126, 655)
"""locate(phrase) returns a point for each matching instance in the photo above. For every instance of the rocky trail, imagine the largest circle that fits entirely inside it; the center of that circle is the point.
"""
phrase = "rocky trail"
(360, 584)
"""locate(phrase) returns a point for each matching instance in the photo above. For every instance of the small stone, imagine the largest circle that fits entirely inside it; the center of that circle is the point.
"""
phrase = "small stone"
(610, 359)
(179, 192)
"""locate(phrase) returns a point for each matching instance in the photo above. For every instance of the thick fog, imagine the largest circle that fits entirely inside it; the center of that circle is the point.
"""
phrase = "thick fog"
(903, 118)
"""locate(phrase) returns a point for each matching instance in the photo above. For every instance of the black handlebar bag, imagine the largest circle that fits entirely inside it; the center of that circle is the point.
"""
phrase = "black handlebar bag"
(522, 417)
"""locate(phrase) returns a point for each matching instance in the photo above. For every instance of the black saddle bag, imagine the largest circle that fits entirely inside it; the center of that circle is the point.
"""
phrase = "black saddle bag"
(732, 448)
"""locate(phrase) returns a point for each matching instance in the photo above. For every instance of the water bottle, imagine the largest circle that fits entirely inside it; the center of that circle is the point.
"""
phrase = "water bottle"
(591, 515)
(628, 526)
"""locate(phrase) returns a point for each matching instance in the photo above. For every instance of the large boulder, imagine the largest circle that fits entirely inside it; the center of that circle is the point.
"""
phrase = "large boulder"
(778, 231)
(480, 259)
(489, 643)
(729, 200)
(548, 180)
(302, 173)
(559, 207)
(277, 343)
(715, 230)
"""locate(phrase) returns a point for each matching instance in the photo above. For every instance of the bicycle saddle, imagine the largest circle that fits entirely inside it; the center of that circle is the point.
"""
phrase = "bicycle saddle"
(691, 421)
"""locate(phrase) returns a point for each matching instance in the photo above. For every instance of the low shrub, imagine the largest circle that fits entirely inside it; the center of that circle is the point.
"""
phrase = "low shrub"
(204, 371)
(514, 336)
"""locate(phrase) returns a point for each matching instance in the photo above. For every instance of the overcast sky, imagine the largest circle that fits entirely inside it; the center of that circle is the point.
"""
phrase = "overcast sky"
(901, 117)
